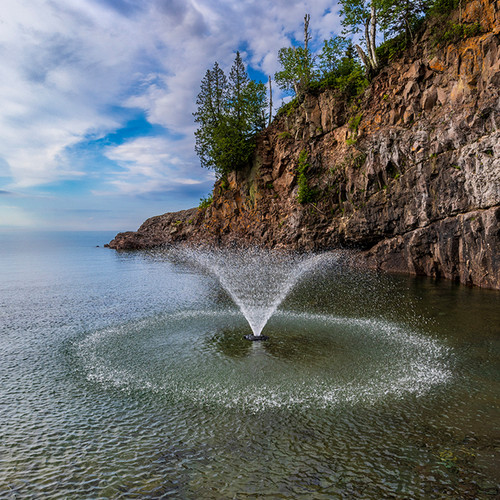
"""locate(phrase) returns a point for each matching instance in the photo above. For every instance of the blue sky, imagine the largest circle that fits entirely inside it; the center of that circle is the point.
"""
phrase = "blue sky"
(97, 96)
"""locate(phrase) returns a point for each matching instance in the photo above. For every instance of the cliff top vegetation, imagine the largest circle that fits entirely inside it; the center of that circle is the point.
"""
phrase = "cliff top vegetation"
(233, 110)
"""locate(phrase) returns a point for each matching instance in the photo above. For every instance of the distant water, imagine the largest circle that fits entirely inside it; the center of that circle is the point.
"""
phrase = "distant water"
(124, 375)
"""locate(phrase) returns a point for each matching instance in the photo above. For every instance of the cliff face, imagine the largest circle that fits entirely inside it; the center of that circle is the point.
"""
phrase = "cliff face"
(410, 175)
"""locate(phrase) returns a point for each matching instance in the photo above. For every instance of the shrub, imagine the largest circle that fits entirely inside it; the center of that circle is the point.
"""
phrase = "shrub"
(351, 83)
(306, 194)
(443, 7)
(289, 107)
(354, 123)
(224, 183)
(453, 33)
(392, 48)
(285, 135)
(205, 202)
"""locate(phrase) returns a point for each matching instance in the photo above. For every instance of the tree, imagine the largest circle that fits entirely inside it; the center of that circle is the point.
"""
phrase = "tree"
(340, 67)
(211, 117)
(400, 17)
(357, 14)
(230, 112)
(393, 17)
(238, 83)
(332, 55)
(255, 98)
(297, 64)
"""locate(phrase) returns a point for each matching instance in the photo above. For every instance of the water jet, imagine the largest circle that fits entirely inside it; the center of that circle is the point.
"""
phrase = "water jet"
(258, 280)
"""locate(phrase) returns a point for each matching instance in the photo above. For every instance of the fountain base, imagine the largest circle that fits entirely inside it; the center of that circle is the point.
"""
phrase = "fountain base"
(254, 338)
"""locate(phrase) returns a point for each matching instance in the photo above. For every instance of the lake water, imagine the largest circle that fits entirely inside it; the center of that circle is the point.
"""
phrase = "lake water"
(125, 375)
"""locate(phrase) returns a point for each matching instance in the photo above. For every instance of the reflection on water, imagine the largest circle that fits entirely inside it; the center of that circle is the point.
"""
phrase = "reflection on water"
(227, 341)
(125, 376)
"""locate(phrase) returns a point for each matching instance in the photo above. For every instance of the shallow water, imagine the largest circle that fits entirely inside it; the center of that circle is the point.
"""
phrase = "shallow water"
(125, 376)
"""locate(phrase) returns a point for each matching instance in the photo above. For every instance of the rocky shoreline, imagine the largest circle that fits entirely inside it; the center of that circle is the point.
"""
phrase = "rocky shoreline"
(410, 175)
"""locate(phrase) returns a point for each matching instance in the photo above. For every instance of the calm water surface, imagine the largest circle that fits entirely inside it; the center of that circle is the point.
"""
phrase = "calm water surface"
(124, 375)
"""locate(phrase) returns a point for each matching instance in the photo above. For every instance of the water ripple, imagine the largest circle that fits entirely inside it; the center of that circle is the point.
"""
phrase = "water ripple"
(178, 356)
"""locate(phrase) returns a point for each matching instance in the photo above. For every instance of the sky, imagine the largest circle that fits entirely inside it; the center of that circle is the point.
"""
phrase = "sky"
(97, 96)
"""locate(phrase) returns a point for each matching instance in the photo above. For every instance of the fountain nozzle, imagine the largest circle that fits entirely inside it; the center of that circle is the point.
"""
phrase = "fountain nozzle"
(253, 337)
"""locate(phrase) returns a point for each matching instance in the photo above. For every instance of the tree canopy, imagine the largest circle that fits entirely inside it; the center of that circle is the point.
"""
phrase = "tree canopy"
(297, 64)
(391, 17)
(230, 112)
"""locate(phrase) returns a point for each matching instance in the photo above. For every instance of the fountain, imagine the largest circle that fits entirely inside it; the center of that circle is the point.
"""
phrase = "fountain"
(257, 280)
(346, 354)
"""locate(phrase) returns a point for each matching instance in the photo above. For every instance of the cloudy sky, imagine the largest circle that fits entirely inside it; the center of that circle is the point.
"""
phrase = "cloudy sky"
(97, 96)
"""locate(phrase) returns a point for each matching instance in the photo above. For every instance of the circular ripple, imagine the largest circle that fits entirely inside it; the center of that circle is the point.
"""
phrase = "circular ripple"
(309, 360)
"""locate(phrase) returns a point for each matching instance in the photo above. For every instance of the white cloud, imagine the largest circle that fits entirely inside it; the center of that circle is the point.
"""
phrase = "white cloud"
(67, 63)
(223, 27)
(150, 165)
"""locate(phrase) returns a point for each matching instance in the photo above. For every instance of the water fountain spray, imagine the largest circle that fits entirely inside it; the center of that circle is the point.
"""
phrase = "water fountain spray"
(257, 280)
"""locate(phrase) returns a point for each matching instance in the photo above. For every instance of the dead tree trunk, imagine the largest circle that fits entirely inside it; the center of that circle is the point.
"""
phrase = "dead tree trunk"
(307, 35)
(270, 101)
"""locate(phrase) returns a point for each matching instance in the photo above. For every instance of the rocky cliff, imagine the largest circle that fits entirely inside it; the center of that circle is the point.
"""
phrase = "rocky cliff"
(409, 174)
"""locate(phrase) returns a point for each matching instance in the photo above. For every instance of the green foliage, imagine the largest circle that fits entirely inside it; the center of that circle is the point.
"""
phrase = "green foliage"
(344, 70)
(353, 125)
(352, 84)
(230, 112)
(333, 55)
(401, 17)
(285, 135)
(255, 102)
(297, 71)
(392, 48)
(297, 65)
(354, 122)
(338, 68)
(354, 14)
(305, 194)
(205, 202)
(390, 17)
(210, 116)
(453, 33)
(442, 7)
(288, 108)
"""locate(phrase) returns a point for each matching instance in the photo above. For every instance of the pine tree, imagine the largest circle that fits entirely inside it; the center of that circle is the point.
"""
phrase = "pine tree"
(211, 117)
(238, 83)
(255, 99)
(230, 112)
